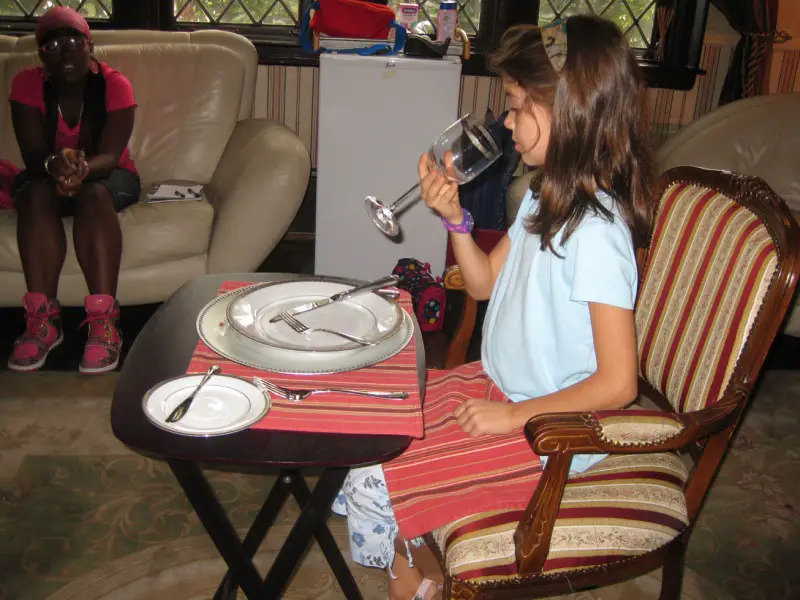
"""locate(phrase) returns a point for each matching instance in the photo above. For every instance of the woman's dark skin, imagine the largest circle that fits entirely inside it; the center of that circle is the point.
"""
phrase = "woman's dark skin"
(40, 230)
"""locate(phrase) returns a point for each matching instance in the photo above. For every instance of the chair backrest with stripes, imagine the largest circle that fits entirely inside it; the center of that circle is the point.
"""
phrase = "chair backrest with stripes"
(720, 261)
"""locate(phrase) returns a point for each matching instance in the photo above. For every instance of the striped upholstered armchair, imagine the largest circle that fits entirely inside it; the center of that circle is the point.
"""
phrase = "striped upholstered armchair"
(716, 282)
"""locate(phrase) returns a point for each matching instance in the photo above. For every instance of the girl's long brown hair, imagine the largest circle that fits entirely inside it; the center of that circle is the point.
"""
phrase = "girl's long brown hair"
(598, 135)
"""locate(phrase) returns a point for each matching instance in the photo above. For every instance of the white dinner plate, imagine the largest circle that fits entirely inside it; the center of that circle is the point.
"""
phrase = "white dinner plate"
(368, 316)
(215, 330)
(225, 404)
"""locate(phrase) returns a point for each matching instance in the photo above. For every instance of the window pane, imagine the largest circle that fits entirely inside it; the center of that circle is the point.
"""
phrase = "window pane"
(30, 9)
(191, 12)
(633, 17)
(239, 12)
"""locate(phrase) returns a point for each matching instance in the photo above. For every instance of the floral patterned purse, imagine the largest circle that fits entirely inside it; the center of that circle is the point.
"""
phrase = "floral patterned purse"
(427, 292)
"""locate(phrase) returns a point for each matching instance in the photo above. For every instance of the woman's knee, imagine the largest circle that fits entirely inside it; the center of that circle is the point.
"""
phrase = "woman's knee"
(37, 199)
(94, 202)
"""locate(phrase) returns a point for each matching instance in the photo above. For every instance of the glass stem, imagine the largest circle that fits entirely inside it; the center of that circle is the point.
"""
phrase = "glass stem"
(409, 195)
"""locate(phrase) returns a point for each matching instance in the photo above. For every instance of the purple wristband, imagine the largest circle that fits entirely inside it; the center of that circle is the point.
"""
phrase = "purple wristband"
(465, 226)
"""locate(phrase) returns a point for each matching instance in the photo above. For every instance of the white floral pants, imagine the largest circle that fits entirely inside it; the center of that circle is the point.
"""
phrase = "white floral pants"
(364, 500)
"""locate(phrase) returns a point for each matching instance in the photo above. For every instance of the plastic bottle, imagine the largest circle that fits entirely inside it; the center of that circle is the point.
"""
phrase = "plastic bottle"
(407, 14)
(447, 21)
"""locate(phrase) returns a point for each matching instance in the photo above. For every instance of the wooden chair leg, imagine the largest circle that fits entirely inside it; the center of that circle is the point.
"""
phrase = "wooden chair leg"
(672, 572)
(457, 350)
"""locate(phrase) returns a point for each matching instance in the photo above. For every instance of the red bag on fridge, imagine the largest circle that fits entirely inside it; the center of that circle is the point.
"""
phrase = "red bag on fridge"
(351, 19)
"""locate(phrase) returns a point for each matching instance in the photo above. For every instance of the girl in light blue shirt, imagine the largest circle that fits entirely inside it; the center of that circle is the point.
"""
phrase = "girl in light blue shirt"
(559, 331)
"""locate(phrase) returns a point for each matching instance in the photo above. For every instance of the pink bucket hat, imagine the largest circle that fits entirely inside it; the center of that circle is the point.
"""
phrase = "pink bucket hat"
(61, 17)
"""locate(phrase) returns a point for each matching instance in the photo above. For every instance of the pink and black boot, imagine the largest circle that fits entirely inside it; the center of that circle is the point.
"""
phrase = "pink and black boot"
(42, 332)
(101, 353)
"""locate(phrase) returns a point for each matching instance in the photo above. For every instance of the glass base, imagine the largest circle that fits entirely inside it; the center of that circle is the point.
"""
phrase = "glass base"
(383, 218)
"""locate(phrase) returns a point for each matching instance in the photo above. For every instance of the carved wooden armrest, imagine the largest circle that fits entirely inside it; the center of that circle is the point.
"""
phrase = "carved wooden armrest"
(453, 279)
(626, 431)
(459, 344)
(561, 435)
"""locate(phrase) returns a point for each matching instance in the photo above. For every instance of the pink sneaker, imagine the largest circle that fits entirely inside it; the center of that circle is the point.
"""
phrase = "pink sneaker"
(101, 353)
(42, 333)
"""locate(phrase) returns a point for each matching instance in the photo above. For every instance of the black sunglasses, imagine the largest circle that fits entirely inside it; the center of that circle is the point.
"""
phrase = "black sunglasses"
(59, 44)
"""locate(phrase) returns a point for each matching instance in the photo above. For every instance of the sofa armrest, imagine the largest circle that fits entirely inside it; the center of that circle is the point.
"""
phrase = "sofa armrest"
(256, 191)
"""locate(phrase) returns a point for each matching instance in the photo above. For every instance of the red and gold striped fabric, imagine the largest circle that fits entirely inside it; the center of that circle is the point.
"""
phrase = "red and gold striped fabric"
(624, 506)
(711, 261)
(449, 474)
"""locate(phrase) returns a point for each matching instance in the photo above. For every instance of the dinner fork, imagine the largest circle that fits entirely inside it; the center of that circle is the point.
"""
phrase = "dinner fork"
(301, 328)
(297, 395)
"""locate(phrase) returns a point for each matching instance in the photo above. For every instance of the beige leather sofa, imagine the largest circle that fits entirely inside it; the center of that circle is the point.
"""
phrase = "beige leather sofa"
(195, 95)
(758, 136)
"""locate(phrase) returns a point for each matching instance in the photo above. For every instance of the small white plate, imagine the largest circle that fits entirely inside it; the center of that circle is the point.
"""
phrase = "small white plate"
(225, 404)
(368, 316)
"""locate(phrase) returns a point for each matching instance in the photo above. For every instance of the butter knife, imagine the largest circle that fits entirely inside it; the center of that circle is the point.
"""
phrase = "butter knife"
(338, 297)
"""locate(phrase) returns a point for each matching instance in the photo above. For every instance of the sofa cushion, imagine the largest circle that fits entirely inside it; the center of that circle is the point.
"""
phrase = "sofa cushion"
(152, 234)
(625, 505)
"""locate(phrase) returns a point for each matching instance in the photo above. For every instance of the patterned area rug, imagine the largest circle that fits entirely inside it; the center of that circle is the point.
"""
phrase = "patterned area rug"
(83, 517)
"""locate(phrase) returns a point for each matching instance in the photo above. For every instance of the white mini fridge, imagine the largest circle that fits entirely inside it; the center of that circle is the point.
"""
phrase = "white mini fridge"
(376, 116)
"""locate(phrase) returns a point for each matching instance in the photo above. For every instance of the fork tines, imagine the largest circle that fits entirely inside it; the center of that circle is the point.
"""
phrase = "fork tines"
(293, 322)
(271, 387)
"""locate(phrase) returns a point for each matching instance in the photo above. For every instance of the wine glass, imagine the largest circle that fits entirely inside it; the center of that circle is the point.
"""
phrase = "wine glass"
(469, 148)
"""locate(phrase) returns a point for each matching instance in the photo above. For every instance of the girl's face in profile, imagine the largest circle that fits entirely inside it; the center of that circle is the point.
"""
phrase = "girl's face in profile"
(529, 124)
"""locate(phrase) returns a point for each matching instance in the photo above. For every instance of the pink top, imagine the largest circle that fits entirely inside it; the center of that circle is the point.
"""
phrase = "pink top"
(28, 88)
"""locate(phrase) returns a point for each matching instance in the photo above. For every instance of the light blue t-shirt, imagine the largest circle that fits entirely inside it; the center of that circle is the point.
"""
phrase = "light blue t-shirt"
(537, 334)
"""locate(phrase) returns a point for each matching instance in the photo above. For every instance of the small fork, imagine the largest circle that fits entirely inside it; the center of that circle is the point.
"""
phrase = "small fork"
(301, 328)
(297, 395)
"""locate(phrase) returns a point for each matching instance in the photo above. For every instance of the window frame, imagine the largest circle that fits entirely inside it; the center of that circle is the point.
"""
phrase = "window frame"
(277, 45)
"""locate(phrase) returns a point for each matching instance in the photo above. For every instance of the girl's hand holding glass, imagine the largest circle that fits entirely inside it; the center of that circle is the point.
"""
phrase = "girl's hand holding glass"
(459, 154)
(439, 192)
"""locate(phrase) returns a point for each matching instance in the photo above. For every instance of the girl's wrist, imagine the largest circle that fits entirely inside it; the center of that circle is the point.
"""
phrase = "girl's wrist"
(465, 226)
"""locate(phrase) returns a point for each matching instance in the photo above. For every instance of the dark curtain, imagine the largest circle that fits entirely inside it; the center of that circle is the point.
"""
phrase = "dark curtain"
(755, 20)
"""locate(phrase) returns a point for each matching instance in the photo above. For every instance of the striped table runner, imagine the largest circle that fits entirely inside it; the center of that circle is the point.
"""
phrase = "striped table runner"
(335, 413)
(449, 475)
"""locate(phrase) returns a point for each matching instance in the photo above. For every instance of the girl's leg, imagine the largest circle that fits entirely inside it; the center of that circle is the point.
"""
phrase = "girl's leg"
(98, 238)
(364, 499)
(40, 236)
(98, 246)
(420, 580)
(42, 247)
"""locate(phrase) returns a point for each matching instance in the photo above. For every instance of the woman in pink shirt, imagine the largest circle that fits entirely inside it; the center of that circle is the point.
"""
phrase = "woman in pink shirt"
(72, 117)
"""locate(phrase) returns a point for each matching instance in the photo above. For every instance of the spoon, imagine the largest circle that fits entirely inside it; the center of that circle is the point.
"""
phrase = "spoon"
(180, 410)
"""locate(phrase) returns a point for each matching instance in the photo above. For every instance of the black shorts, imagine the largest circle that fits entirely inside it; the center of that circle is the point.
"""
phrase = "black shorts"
(123, 184)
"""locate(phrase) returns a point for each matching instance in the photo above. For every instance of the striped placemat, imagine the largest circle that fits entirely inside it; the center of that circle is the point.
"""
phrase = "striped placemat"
(335, 413)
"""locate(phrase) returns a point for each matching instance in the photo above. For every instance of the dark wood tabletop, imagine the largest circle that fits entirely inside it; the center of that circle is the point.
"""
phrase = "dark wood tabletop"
(162, 350)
